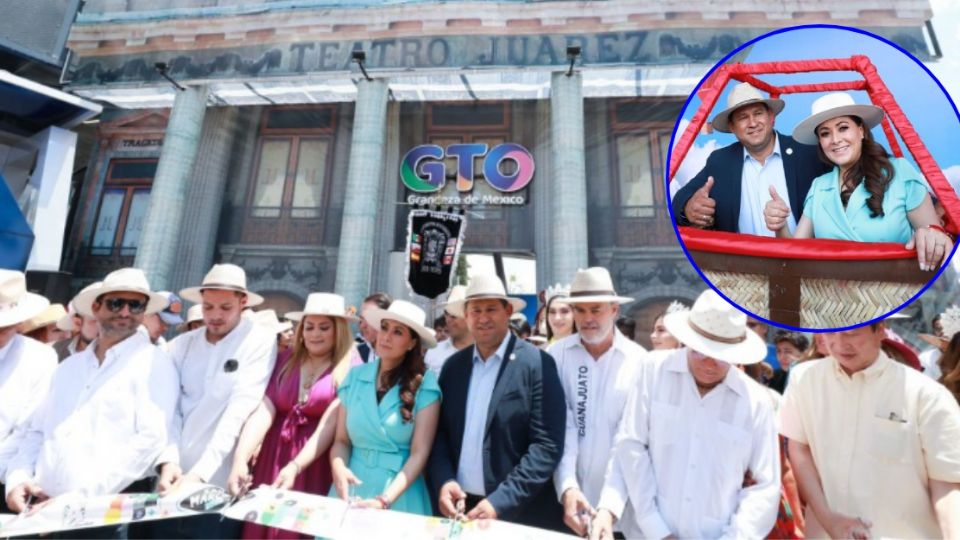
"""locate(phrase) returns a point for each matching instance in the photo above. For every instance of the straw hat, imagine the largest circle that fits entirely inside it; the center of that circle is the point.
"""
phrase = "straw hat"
(225, 277)
(831, 106)
(325, 304)
(122, 280)
(65, 322)
(16, 304)
(742, 94)
(194, 314)
(407, 314)
(267, 318)
(457, 293)
(593, 285)
(484, 287)
(717, 329)
(51, 315)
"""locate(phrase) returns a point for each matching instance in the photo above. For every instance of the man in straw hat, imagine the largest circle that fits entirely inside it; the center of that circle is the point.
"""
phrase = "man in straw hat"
(458, 333)
(500, 435)
(224, 369)
(110, 407)
(82, 327)
(730, 193)
(873, 443)
(694, 428)
(26, 366)
(598, 365)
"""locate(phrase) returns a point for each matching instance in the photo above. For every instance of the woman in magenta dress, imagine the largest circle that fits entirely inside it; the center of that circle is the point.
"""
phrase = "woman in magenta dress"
(298, 409)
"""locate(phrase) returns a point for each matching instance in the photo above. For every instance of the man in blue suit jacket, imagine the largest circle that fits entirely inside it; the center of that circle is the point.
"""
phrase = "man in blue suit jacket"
(502, 421)
(761, 158)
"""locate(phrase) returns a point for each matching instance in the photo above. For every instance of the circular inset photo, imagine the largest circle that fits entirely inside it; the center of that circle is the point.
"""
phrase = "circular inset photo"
(808, 176)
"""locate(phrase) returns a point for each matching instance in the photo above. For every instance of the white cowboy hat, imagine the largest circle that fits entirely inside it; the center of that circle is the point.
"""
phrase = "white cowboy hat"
(122, 280)
(456, 294)
(16, 304)
(715, 328)
(268, 319)
(194, 314)
(484, 287)
(831, 106)
(593, 285)
(226, 277)
(65, 323)
(325, 304)
(406, 314)
(741, 95)
(50, 315)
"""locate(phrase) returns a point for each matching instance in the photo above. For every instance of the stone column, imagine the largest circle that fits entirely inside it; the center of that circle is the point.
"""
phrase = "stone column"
(358, 234)
(202, 208)
(159, 241)
(568, 194)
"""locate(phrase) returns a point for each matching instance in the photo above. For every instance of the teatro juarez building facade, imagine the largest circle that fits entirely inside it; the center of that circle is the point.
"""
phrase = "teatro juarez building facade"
(246, 131)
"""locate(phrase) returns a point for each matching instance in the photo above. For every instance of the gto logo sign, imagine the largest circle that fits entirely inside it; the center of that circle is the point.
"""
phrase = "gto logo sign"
(423, 170)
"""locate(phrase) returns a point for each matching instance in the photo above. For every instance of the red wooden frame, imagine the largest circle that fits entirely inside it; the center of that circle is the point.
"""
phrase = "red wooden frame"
(880, 95)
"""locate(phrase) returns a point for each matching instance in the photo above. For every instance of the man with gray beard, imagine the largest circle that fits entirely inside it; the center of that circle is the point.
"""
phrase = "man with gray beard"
(598, 366)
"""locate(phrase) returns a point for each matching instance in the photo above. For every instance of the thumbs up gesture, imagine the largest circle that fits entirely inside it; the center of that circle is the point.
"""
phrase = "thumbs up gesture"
(776, 212)
(701, 208)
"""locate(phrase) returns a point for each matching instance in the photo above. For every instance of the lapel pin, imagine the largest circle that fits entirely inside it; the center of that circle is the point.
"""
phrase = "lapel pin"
(789, 151)
(230, 365)
(513, 356)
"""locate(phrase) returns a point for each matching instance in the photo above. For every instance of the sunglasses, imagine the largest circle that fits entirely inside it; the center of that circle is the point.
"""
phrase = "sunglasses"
(116, 304)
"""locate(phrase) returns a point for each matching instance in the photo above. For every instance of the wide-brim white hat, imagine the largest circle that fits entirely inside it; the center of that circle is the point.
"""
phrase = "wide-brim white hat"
(50, 315)
(407, 314)
(715, 328)
(122, 280)
(269, 320)
(65, 323)
(456, 294)
(484, 287)
(225, 277)
(742, 95)
(831, 106)
(594, 285)
(194, 314)
(16, 304)
(324, 304)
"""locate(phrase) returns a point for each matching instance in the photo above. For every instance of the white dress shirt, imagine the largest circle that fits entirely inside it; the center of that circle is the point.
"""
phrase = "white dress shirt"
(437, 356)
(101, 426)
(221, 384)
(681, 458)
(483, 378)
(928, 360)
(26, 369)
(755, 191)
(596, 392)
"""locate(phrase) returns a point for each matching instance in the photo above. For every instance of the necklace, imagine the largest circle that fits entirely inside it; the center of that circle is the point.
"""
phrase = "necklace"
(308, 377)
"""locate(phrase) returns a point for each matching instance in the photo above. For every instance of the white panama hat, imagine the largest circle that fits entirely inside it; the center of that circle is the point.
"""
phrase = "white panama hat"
(715, 328)
(742, 95)
(225, 277)
(16, 304)
(830, 106)
(593, 285)
(122, 280)
(407, 314)
(484, 287)
(325, 304)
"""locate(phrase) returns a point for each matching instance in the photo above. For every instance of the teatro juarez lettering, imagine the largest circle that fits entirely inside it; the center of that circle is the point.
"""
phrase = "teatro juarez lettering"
(423, 171)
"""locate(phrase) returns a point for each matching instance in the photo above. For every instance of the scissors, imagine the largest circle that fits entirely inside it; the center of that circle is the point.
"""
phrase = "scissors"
(233, 500)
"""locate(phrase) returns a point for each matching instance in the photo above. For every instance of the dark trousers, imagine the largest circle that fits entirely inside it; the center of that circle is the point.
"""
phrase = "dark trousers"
(202, 526)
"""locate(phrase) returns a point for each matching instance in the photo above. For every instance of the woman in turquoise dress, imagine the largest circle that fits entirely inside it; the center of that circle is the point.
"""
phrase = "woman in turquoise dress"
(868, 196)
(388, 417)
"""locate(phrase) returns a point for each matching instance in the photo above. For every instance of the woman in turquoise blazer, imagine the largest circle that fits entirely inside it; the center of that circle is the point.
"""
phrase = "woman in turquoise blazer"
(388, 417)
(867, 197)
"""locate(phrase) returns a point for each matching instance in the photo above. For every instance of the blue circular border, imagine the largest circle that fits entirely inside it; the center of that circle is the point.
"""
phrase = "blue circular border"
(666, 175)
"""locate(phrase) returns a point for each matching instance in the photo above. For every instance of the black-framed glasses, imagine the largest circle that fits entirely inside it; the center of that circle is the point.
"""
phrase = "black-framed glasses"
(116, 304)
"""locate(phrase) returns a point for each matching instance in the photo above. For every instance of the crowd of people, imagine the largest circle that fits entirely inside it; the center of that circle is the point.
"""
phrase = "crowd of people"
(579, 429)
